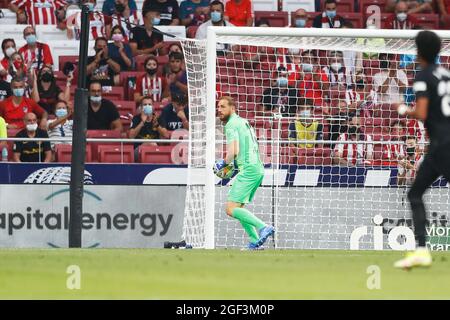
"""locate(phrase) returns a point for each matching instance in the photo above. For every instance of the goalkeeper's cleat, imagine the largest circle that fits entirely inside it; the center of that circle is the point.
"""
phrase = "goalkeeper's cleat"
(264, 234)
(251, 247)
(419, 258)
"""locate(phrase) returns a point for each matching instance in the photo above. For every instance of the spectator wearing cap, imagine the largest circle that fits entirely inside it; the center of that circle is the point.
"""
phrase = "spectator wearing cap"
(194, 12)
(329, 18)
(35, 54)
(174, 116)
(280, 97)
(300, 19)
(176, 78)
(169, 10)
(143, 39)
(31, 151)
(305, 127)
(102, 113)
(239, 12)
(151, 84)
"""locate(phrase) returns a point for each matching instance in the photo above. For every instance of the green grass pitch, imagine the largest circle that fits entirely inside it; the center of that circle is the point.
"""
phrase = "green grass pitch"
(216, 274)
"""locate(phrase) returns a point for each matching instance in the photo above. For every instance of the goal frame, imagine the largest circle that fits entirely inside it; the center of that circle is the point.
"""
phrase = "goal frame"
(212, 35)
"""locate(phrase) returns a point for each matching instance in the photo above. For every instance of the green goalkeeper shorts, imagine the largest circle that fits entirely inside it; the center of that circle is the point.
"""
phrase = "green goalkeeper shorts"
(244, 186)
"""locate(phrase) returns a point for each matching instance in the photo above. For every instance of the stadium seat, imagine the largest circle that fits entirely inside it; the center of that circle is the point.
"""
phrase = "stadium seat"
(265, 5)
(98, 134)
(191, 31)
(155, 154)
(342, 5)
(125, 107)
(49, 33)
(116, 154)
(292, 5)
(124, 75)
(355, 18)
(275, 18)
(427, 21)
(364, 4)
(63, 153)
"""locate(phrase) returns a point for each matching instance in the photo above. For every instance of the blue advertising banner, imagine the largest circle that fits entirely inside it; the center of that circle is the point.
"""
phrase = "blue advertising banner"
(139, 174)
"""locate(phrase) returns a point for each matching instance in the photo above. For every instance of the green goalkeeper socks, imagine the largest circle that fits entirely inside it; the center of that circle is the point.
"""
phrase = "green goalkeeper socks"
(245, 216)
(251, 231)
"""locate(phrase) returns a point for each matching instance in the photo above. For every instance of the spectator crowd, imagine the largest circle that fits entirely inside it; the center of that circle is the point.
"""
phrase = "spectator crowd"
(334, 95)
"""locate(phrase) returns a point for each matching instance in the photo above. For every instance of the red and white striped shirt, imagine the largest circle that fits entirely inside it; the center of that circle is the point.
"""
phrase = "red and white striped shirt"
(97, 25)
(38, 57)
(354, 153)
(151, 87)
(352, 96)
(394, 151)
(336, 78)
(135, 19)
(40, 11)
(417, 129)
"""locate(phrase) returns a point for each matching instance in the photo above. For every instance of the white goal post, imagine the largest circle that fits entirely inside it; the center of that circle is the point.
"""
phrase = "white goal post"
(314, 192)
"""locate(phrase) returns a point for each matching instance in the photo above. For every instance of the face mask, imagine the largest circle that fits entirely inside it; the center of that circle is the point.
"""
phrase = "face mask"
(117, 37)
(294, 51)
(282, 82)
(331, 14)
(336, 66)
(410, 151)
(19, 92)
(61, 113)
(352, 130)
(305, 113)
(384, 64)
(156, 21)
(32, 127)
(47, 77)
(402, 16)
(151, 71)
(9, 51)
(371, 26)
(90, 6)
(300, 23)
(360, 83)
(307, 67)
(148, 109)
(30, 39)
(96, 99)
(120, 7)
(216, 16)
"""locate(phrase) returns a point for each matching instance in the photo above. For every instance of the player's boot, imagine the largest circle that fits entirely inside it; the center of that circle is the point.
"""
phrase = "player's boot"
(251, 247)
(264, 234)
(419, 258)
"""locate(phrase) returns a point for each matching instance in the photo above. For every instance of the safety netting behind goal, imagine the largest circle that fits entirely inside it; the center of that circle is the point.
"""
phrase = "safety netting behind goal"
(338, 157)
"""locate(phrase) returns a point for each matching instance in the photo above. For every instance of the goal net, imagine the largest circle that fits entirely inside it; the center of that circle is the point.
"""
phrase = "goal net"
(338, 157)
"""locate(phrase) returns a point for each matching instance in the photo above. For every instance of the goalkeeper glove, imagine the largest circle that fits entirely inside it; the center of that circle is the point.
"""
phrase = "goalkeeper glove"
(219, 165)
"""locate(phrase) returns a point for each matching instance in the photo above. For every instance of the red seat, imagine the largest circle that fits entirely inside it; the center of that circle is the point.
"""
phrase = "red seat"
(155, 154)
(113, 93)
(126, 108)
(105, 134)
(124, 75)
(355, 18)
(191, 31)
(116, 154)
(275, 18)
(427, 20)
(63, 153)
(341, 5)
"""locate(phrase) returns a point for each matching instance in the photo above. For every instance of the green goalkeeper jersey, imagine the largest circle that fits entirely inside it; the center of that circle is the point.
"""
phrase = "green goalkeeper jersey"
(238, 129)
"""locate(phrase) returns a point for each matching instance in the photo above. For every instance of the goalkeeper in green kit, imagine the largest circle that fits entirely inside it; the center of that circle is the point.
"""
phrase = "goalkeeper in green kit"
(243, 151)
